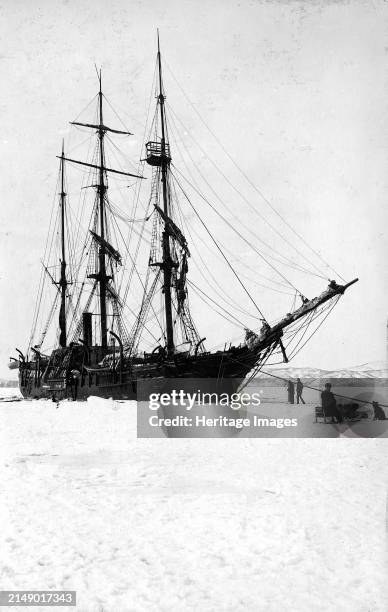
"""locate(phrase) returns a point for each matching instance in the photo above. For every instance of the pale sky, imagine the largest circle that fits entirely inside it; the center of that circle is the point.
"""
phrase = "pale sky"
(296, 91)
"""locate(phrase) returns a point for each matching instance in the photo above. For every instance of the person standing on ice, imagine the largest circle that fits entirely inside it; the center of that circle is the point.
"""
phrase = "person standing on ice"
(74, 376)
(329, 405)
(291, 391)
(299, 391)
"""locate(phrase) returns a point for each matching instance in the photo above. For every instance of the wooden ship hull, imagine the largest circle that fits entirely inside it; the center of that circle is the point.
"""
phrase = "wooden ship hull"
(220, 372)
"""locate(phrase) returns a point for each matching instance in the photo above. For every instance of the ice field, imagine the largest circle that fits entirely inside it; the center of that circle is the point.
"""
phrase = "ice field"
(177, 525)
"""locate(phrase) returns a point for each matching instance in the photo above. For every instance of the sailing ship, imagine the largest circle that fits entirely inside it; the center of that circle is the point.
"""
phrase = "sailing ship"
(95, 350)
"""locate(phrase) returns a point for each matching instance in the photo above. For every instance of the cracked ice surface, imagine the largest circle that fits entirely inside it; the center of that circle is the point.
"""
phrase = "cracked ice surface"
(176, 525)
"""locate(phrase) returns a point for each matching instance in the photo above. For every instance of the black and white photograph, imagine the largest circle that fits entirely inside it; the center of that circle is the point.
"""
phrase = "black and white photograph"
(193, 305)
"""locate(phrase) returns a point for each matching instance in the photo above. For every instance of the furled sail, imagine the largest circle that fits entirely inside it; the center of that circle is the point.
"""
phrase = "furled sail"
(181, 283)
(108, 247)
(102, 127)
(173, 230)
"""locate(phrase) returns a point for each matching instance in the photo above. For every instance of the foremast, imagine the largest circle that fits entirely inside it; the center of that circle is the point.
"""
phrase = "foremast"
(172, 265)
(167, 265)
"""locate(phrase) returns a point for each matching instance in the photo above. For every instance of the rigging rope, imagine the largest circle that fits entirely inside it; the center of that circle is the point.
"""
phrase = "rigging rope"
(46, 255)
(249, 180)
(136, 270)
(201, 294)
(231, 226)
(315, 331)
(286, 262)
(290, 244)
(239, 322)
(187, 230)
(220, 250)
(137, 198)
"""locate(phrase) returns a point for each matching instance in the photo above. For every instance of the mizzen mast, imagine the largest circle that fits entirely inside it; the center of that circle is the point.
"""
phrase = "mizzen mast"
(101, 189)
(63, 280)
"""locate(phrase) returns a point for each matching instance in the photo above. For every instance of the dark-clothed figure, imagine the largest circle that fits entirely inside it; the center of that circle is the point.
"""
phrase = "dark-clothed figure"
(291, 391)
(379, 414)
(74, 375)
(299, 391)
(329, 405)
(75, 388)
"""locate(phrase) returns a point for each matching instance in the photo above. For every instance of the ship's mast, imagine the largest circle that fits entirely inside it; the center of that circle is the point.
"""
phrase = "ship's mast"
(101, 189)
(63, 281)
(104, 247)
(167, 261)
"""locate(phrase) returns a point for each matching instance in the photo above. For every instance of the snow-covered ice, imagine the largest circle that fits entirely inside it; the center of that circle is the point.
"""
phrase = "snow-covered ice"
(188, 524)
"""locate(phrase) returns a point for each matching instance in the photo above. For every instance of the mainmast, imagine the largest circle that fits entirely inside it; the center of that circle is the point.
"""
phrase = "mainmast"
(102, 186)
(63, 281)
(165, 160)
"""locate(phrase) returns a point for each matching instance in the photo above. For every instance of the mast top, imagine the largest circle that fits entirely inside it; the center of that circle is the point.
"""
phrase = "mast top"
(161, 95)
(99, 79)
(62, 166)
(158, 151)
(100, 127)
